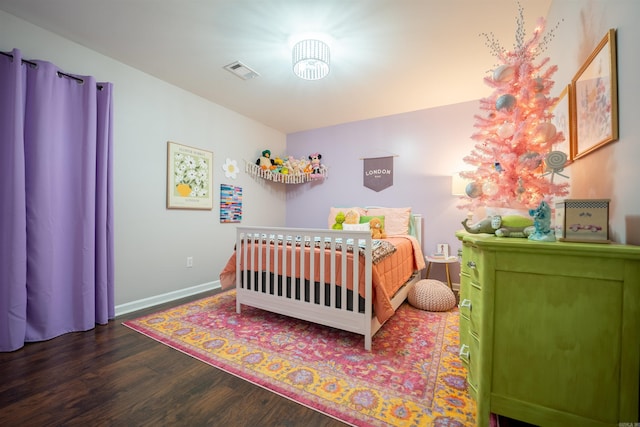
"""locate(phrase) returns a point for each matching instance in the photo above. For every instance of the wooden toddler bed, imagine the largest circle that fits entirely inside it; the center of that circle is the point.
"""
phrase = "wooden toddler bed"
(343, 279)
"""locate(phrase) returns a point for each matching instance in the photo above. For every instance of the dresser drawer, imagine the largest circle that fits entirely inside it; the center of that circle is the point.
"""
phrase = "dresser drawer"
(475, 308)
(471, 261)
(471, 387)
(470, 305)
(465, 296)
(463, 329)
(470, 356)
(473, 358)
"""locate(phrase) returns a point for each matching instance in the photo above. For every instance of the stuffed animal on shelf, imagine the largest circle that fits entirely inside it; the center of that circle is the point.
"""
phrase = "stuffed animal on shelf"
(502, 226)
(278, 163)
(315, 167)
(542, 223)
(352, 217)
(377, 230)
(483, 226)
(512, 226)
(296, 166)
(287, 167)
(339, 220)
(265, 162)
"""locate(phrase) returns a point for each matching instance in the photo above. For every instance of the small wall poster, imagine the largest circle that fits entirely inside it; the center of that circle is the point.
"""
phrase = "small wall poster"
(378, 173)
(230, 203)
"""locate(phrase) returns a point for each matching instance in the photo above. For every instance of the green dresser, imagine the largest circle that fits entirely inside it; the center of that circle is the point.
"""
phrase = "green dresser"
(550, 332)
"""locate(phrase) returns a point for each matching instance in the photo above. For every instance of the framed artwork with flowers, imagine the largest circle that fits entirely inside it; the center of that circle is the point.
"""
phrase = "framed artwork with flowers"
(594, 92)
(562, 121)
(189, 177)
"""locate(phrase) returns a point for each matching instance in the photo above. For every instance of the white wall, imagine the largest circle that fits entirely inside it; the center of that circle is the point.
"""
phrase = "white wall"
(611, 172)
(152, 242)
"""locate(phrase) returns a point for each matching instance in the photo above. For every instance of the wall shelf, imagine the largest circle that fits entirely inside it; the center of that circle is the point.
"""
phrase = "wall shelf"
(295, 178)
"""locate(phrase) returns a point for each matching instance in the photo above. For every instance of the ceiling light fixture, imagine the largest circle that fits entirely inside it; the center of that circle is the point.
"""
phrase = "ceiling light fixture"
(311, 59)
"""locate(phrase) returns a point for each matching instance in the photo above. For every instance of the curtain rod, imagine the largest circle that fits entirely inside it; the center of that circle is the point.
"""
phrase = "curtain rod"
(60, 73)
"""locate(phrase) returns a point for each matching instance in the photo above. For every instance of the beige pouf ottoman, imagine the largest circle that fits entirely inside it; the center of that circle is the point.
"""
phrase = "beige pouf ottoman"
(431, 295)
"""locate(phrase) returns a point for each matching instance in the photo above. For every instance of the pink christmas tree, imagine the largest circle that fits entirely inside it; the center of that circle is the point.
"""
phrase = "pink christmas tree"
(513, 157)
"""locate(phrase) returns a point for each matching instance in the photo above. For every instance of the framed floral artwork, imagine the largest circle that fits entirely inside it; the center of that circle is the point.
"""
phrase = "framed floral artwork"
(562, 121)
(189, 177)
(594, 92)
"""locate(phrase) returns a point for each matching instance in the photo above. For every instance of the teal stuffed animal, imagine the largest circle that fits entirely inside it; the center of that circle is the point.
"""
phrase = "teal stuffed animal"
(542, 223)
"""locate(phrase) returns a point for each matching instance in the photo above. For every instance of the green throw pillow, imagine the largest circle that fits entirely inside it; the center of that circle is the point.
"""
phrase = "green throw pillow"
(366, 218)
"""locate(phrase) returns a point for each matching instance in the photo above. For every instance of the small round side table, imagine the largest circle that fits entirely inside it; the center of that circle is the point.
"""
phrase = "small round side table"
(445, 261)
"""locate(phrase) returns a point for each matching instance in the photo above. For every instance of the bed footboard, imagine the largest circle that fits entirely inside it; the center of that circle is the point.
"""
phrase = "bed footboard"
(322, 276)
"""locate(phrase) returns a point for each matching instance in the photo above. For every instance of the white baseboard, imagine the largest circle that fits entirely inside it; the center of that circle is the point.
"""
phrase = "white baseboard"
(168, 297)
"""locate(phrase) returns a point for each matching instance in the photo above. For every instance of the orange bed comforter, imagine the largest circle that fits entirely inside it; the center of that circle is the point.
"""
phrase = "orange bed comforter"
(388, 275)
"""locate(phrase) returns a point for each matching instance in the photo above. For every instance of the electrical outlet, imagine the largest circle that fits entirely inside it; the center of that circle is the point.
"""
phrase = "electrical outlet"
(189, 261)
(443, 248)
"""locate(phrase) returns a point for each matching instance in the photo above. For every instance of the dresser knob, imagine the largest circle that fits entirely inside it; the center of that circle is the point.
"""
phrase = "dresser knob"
(471, 264)
(465, 303)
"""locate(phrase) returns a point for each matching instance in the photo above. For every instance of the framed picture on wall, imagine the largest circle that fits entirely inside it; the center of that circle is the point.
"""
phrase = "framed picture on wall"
(594, 91)
(189, 177)
(562, 121)
(230, 203)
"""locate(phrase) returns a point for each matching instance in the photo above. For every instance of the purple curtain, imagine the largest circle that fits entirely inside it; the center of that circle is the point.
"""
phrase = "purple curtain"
(56, 193)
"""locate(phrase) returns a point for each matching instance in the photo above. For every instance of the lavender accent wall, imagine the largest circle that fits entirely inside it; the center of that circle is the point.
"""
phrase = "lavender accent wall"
(429, 146)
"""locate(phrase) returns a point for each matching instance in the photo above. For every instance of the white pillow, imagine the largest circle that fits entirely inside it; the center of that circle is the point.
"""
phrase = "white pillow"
(356, 227)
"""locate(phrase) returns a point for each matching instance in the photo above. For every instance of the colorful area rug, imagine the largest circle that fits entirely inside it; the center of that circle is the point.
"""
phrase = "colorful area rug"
(411, 377)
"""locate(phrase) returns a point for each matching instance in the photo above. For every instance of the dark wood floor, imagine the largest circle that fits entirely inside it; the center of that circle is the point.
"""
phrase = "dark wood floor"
(113, 376)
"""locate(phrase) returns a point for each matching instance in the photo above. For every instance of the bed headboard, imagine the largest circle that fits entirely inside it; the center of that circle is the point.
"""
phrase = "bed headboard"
(415, 226)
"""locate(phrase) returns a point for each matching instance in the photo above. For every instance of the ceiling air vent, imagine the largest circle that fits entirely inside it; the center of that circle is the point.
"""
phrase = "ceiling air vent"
(241, 70)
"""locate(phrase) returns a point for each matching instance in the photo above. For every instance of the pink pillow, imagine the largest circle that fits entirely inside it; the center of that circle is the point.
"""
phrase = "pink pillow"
(396, 220)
